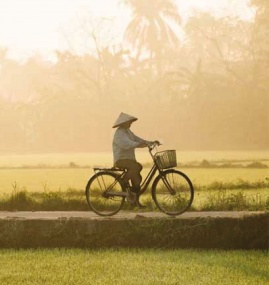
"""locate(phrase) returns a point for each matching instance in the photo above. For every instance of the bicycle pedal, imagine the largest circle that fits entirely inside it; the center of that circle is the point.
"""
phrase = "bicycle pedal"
(131, 197)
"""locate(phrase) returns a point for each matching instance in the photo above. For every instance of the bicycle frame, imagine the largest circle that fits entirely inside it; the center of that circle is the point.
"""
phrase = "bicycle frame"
(145, 182)
(117, 180)
(152, 172)
(148, 178)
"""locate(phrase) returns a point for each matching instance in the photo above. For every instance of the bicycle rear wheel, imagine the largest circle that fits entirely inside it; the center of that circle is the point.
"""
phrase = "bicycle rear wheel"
(101, 194)
(172, 192)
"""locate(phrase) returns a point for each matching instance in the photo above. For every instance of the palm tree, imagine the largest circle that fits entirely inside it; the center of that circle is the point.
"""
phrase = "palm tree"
(150, 29)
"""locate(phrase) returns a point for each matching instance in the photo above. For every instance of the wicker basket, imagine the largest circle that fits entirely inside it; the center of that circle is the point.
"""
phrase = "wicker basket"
(166, 159)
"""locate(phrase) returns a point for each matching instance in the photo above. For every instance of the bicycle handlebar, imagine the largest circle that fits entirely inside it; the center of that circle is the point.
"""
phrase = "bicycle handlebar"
(152, 145)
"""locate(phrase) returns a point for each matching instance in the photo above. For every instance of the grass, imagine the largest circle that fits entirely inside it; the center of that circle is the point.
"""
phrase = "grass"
(35, 180)
(74, 266)
(223, 200)
(22, 200)
(216, 196)
(205, 199)
(35, 187)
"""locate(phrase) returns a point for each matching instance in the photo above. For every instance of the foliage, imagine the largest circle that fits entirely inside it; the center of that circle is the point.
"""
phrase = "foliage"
(221, 66)
(217, 196)
(69, 266)
(23, 200)
(222, 201)
(149, 29)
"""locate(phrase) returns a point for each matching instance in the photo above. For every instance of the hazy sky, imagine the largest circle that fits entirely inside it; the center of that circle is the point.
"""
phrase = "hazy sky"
(36, 26)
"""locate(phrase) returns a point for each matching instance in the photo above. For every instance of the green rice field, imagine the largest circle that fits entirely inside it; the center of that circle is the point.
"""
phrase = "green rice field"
(52, 172)
(69, 173)
(36, 180)
(69, 266)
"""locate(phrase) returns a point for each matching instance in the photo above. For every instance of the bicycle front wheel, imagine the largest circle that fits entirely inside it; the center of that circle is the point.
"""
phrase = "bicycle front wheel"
(172, 192)
(102, 193)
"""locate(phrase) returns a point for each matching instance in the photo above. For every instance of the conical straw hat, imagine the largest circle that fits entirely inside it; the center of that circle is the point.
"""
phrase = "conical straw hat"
(123, 118)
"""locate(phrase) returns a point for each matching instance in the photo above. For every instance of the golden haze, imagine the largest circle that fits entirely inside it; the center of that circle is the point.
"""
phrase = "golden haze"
(208, 91)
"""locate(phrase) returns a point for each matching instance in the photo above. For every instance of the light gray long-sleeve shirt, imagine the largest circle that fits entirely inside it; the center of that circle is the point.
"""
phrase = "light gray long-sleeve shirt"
(124, 144)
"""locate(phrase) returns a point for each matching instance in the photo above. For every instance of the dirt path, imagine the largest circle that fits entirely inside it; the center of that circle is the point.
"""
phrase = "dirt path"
(120, 216)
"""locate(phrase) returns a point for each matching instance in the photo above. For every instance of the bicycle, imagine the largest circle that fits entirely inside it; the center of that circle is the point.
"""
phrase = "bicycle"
(172, 190)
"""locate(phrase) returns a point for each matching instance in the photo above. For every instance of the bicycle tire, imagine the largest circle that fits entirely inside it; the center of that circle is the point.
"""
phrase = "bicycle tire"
(180, 200)
(95, 194)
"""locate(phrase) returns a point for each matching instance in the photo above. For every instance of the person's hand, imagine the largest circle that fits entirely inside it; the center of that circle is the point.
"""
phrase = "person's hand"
(152, 144)
(155, 143)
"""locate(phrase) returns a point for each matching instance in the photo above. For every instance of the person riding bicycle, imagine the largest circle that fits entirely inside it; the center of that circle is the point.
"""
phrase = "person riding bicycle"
(124, 144)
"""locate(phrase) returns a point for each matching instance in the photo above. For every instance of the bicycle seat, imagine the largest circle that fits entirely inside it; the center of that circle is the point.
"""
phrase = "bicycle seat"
(109, 169)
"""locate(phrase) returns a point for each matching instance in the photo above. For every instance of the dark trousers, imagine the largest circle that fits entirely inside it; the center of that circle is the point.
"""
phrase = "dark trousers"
(133, 172)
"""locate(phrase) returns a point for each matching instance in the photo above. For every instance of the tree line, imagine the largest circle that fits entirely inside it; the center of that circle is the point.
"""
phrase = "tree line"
(206, 90)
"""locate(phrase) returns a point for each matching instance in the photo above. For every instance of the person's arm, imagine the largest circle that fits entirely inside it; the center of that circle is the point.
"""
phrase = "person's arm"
(142, 142)
(123, 140)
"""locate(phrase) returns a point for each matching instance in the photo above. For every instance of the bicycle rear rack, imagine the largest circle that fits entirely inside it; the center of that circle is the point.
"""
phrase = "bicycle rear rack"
(113, 169)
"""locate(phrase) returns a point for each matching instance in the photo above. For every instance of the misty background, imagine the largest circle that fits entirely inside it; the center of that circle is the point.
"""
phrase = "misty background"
(202, 84)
